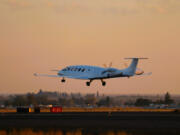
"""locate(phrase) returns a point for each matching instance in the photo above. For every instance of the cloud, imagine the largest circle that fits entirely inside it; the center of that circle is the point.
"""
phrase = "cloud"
(159, 6)
(121, 7)
(18, 3)
(68, 6)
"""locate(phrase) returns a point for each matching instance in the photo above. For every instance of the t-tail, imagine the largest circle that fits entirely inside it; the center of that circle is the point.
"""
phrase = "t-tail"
(132, 68)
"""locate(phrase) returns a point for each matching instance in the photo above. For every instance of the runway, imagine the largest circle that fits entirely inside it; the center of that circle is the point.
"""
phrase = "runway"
(123, 120)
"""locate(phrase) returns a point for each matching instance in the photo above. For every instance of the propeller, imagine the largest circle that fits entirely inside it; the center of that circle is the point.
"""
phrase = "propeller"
(109, 66)
(109, 69)
(125, 65)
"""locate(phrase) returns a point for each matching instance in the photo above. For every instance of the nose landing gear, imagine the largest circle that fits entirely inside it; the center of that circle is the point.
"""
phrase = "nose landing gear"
(88, 83)
(63, 80)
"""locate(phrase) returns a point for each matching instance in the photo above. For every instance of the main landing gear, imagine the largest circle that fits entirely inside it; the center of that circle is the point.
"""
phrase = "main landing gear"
(89, 83)
(103, 83)
(63, 80)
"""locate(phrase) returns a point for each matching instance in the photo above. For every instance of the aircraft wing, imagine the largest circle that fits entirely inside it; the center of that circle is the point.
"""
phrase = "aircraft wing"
(73, 77)
(46, 75)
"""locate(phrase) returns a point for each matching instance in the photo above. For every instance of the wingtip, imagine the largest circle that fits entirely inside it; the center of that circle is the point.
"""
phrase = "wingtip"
(150, 73)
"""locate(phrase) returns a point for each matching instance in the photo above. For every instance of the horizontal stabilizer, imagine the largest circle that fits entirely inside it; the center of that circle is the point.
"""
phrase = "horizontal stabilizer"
(135, 58)
(145, 74)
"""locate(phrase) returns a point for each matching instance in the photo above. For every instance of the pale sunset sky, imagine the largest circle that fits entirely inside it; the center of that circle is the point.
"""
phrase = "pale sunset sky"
(40, 35)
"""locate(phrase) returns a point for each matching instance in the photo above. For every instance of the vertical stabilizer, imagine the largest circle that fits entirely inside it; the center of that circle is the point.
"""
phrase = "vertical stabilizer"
(132, 68)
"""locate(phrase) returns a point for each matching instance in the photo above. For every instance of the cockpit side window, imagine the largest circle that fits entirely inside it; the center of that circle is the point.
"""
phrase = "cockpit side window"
(64, 69)
(79, 69)
(83, 70)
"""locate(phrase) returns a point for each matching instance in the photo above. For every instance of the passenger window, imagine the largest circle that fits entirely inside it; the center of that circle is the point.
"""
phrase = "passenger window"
(79, 69)
(83, 70)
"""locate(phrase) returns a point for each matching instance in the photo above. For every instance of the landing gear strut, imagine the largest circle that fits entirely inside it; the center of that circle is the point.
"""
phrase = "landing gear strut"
(103, 83)
(63, 80)
(89, 83)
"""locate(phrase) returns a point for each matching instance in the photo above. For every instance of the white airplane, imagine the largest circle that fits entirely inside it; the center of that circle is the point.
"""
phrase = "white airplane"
(91, 73)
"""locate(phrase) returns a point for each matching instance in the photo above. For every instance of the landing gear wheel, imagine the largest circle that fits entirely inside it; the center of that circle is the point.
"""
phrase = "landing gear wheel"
(63, 80)
(103, 83)
(88, 83)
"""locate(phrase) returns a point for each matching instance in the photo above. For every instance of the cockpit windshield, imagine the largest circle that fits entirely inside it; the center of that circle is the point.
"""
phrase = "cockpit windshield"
(74, 69)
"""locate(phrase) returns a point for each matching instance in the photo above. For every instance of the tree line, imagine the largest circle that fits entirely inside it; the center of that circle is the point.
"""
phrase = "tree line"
(78, 100)
(147, 102)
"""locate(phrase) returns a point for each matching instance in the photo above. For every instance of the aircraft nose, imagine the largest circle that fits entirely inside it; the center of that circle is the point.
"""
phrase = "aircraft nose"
(60, 73)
